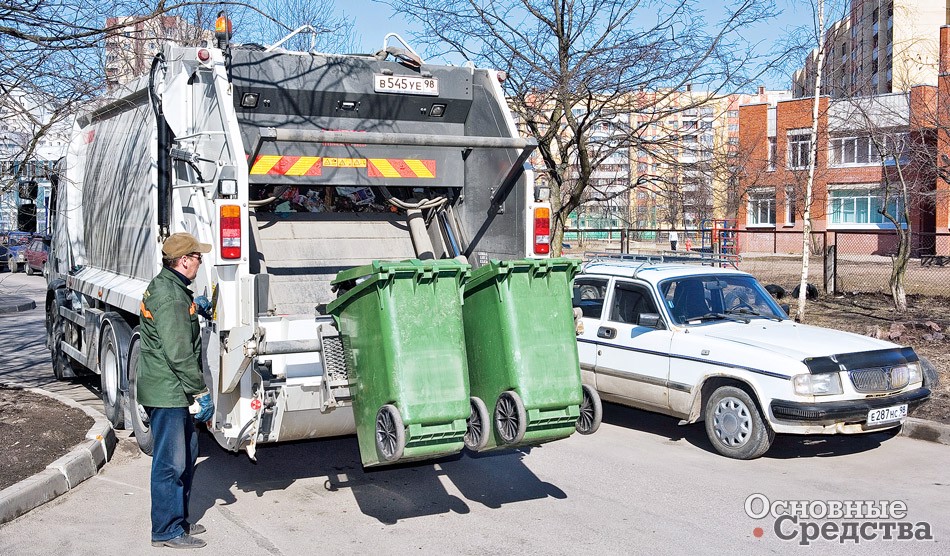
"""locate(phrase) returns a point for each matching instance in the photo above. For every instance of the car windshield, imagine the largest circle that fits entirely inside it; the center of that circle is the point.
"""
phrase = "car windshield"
(696, 299)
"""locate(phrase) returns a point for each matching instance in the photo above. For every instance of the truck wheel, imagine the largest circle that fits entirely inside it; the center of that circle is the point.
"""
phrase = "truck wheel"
(110, 374)
(29, 269)
(138, 415)
(511, 420)
(390, 433)
(592, 411)
(476, 430)
(62, 365)
(734, 425)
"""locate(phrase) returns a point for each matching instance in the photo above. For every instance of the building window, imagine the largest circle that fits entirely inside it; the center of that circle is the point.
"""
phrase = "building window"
(790, 205)
(761, 208)
(771, 159)
(862, 150)
(799, 147)
(857, 205)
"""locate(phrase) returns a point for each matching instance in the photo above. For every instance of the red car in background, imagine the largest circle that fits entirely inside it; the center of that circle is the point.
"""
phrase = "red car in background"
(37, 253)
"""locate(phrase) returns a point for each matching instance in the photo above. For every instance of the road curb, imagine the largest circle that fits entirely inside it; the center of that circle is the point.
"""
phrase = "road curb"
(15, 304)
(931, 431)
(83, 461)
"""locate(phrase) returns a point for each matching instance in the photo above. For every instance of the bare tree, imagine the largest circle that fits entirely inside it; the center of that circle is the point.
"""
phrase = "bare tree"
(901, 137)
(51, 51)
(574, 66)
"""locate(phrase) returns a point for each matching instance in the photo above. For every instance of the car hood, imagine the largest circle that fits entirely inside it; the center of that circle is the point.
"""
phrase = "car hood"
(791, 339)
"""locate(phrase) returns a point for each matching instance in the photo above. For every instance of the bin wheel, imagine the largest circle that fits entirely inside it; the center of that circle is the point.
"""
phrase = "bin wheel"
(476, 430)
(591, 411)
(511, 420)
(390, 433)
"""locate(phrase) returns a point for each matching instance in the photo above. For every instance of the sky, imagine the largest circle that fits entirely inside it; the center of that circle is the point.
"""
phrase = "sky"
(373, 21)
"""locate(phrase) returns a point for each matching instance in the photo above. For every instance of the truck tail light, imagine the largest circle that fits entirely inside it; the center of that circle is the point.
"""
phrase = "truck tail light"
(542, 231)
(230, 226)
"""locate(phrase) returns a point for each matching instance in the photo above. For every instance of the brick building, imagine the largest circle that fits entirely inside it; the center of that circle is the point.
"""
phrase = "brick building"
(867, 147)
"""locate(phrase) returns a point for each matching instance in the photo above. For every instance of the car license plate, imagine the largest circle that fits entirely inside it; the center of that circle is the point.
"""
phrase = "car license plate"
(887, 414)
(406, 85)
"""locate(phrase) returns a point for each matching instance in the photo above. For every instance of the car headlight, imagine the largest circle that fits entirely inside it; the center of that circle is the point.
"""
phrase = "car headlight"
(914, 373)
(824, 384)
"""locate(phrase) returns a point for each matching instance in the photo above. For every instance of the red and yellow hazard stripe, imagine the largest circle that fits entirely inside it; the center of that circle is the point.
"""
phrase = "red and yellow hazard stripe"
(400, 168)
(277, 165)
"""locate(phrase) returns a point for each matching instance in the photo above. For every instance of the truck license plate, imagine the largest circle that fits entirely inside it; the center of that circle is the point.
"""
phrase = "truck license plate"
(406, 85)
(887, 414)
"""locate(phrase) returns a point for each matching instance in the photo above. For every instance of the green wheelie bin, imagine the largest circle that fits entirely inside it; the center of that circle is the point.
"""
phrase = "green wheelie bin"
(523, 367)
(401, 324)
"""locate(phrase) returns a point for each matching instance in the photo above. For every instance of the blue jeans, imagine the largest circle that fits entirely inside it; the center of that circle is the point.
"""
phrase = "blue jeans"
(174, 453)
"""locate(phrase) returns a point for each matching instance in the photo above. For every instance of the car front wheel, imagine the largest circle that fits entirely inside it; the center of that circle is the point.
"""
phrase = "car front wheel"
(734, 425)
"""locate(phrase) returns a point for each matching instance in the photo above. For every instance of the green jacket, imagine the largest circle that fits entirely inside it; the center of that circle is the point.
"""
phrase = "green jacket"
(169, 372)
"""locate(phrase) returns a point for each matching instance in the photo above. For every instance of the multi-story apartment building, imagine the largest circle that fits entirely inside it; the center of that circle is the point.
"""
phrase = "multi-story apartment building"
(688, 164)
(129, 51)
(878, 47)
(868, 149)
(664, 159)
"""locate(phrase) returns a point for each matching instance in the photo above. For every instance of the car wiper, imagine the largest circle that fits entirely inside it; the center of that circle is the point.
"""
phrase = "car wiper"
(753, 312)
(718, 316)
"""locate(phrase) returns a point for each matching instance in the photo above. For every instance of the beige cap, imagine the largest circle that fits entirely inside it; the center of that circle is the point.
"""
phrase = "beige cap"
(182, 243)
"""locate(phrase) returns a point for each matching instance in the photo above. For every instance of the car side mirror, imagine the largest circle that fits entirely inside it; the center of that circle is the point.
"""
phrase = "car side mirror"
(650, 320)
(785, 307)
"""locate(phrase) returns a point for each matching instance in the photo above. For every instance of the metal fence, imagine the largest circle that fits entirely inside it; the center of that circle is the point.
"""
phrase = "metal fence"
(839, 261)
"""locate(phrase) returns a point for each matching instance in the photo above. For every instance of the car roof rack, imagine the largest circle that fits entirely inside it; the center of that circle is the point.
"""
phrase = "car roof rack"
(660, 257)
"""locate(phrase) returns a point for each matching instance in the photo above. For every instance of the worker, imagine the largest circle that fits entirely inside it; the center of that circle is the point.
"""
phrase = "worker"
(688, 244)
(170, 380)
(674, 238)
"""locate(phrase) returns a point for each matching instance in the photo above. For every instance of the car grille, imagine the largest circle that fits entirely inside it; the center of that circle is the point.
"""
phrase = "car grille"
(886, 379)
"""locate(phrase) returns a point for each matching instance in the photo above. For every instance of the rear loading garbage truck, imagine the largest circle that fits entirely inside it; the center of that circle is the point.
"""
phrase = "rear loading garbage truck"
(295, 166)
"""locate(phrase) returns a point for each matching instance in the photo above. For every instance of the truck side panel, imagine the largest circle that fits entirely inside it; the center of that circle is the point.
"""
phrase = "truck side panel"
(118, 193)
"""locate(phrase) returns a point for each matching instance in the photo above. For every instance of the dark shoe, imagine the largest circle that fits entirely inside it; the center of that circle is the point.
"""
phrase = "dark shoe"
(195, 529)
(181, 541)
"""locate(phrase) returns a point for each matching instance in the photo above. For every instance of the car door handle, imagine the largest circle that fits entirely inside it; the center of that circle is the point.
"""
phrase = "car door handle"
(607, 333)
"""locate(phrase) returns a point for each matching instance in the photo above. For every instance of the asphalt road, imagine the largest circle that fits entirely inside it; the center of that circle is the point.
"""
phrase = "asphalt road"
(641, 484)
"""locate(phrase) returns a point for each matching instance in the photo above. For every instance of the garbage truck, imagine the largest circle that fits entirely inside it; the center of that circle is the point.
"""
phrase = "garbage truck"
(295, 167)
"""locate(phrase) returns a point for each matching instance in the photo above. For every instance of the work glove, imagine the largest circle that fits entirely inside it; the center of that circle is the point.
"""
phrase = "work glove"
(205, 407)
(204, 307)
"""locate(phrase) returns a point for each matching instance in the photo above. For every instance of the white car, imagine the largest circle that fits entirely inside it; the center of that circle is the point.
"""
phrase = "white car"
(704, 343)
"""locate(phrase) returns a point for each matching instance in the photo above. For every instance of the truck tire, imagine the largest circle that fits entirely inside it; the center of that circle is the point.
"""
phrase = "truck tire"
(138, 415)
(591, 411)
(476, 428)
(29, 269)
(390, 434)
(11, 264)
(62, 365)
(110, 374)
(511, 419)
(734, 425)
